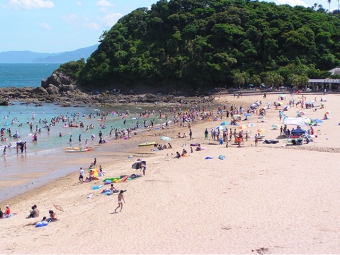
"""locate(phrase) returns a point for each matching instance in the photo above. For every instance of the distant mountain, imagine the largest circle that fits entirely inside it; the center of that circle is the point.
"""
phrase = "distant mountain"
(35, 57)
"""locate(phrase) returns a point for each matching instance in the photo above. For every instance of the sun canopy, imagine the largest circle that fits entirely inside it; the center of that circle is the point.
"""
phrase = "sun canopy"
(298, 131)
(297, 121)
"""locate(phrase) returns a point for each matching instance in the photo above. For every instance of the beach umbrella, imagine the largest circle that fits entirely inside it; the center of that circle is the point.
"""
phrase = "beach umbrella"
(242, 127)
(165, 138)
(279, 103)
(275, 126)
(251, 125)
(220, 127)
(263, 85)
(251, 85)
(318, 121)
(268, 103)
(137, 164)
(224, 123)
(247, 114)
(328, 112)
(261, 130)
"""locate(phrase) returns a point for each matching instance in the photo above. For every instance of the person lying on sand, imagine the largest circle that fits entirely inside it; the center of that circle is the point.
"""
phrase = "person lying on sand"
(35, 223)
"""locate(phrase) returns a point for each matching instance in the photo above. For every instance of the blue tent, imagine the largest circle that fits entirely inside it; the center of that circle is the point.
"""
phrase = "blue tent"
(298, 131)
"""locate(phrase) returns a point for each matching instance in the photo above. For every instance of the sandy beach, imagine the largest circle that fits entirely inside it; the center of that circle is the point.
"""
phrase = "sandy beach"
(270, 198)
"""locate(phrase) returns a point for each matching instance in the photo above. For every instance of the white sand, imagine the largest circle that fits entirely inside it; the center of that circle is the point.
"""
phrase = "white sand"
(283, 199)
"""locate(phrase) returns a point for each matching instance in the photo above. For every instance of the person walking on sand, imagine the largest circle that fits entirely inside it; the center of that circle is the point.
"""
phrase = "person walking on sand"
(81, 175)
(120, 201)
(190, 134)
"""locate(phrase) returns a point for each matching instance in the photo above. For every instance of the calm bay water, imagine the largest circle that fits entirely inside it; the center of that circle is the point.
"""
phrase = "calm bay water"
(25, 75)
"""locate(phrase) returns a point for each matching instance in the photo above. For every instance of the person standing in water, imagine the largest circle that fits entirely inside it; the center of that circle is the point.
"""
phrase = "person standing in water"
(120, 200)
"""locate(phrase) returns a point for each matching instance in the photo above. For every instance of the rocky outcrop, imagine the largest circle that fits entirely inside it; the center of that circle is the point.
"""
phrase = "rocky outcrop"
(57, 79)
(62, 90)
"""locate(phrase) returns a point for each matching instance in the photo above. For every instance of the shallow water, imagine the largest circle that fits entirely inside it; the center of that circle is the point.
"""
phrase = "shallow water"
(45, 160)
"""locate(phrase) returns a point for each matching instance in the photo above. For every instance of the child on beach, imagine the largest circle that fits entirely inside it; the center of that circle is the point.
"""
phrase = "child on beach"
(52, 216)
(81, 175)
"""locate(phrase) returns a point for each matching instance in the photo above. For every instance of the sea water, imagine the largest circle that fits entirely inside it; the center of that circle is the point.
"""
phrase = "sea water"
(25, 75)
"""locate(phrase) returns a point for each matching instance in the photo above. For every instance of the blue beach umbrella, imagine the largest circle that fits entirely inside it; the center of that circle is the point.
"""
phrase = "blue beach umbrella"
(251, 125)
(275, 126)
(247, 114)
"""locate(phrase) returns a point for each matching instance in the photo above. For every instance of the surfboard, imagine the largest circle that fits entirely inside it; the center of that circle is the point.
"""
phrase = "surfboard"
(147, 144)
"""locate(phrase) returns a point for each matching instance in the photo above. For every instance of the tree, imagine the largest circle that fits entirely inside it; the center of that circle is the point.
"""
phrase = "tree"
(240, 78)
(273, 79)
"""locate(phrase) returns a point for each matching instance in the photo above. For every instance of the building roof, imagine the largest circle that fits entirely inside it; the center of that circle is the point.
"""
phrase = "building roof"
(335, 70)
(324, 81)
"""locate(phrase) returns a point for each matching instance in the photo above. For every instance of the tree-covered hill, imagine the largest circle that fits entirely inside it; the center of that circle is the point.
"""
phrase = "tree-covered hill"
(199, 44)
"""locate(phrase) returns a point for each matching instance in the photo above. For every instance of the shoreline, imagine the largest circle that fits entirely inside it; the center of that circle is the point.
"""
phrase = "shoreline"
(282, 199)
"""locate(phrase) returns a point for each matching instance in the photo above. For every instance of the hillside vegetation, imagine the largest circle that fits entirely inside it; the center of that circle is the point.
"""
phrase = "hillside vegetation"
(200, 44)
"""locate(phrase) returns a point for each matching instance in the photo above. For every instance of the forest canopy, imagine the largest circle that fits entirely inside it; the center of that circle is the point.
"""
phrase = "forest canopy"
(201, 44)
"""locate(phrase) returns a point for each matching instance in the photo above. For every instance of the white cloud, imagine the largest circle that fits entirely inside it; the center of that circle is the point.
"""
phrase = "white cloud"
(79, 3)
(91, 25)
(292, 2)
(110, 19)
(70, 19)
(44, 25)
(104, 3)
(30, 4)
(77, 22)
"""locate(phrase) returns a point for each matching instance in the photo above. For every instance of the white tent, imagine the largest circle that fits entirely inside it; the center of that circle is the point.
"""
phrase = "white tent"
(296, 121)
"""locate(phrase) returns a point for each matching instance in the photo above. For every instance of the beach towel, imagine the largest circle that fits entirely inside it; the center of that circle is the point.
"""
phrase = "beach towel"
(208, 157)
(125, 178)
(221, 157)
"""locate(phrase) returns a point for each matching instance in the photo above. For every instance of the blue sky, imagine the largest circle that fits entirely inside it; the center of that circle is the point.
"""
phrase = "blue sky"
(52, 26)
